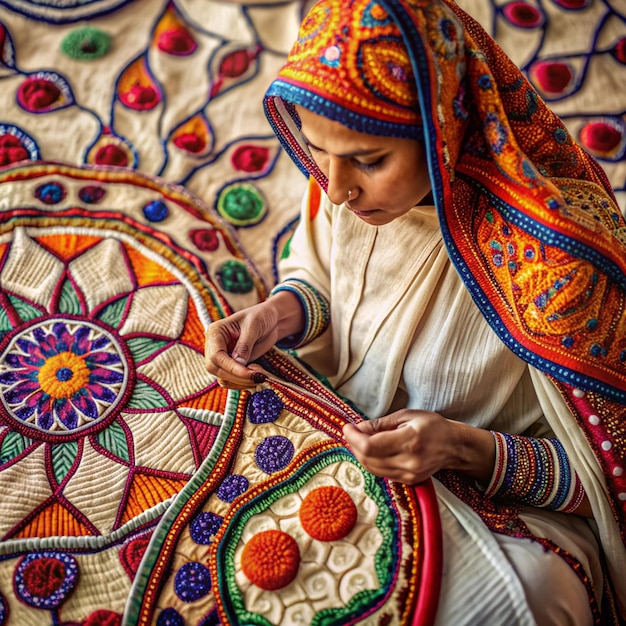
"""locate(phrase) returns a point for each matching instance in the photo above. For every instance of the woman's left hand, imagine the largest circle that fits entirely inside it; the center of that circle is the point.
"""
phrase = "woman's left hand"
(407, 446)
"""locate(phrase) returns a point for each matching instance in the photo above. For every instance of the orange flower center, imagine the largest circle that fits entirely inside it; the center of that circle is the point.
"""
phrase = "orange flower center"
(62, 375)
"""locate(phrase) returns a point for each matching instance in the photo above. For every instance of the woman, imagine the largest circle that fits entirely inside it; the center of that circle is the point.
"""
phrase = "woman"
(457, 273)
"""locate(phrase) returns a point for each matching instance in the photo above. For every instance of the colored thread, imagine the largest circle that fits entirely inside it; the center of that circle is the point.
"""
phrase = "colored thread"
(86, 44)
(91, 194)
(38, 94)
(205, 239)
(242, 204)
(11, 150)
(103, 617)
(250, 158)
(45, 579)
(177, 42)
(234, 277)
(316, 311)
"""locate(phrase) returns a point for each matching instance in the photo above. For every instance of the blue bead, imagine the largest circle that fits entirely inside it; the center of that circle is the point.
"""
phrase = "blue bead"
(232, 486)
(192, 581)
(170, 617)
(204, 526)
(156, 211)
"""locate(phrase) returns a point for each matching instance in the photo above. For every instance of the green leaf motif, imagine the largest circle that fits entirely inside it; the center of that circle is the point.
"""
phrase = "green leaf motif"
(13, 445)
(63, 456)
(25, 310)
(69, 301)
(146, 397)
(113, 439)
(143, 347)
(5, 322)
(112, 314)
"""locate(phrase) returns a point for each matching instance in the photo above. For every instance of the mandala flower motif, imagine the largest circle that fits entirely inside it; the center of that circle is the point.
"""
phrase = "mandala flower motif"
(61, 375)
(93, 340)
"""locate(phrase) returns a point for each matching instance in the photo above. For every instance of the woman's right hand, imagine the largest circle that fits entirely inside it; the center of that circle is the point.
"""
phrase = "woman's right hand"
(235, 341)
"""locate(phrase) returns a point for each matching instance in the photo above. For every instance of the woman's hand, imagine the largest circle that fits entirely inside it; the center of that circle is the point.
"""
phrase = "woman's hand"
(409, 446)
(231, 343)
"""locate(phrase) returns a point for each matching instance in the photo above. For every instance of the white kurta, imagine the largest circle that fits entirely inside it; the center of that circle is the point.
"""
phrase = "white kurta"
(405, 333)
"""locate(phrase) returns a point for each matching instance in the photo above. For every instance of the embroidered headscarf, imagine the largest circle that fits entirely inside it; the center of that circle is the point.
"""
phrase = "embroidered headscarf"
(528, 218)
(350, 61)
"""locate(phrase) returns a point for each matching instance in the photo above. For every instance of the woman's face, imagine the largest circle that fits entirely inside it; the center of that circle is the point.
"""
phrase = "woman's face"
(386, 176)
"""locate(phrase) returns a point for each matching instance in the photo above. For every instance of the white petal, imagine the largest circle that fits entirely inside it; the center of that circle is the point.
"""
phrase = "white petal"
(101, 272)
(30, 271)
(161, 310)
(179, 370)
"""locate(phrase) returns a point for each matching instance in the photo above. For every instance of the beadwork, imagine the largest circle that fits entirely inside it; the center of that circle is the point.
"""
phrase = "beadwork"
(316, 310)
(535, 471)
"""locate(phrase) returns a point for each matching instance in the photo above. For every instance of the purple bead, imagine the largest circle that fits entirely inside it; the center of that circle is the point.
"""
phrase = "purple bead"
(274, 454)
(192, 581)
(264, 406)
(232, 486)
(170, 617)
(204, 526)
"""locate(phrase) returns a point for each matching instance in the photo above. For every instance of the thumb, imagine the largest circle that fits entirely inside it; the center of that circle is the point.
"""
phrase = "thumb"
(241, 351)
(380, 424)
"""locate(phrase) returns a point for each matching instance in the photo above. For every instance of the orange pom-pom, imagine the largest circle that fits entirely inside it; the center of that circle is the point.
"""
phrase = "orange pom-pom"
(328, 513)
(271, 559)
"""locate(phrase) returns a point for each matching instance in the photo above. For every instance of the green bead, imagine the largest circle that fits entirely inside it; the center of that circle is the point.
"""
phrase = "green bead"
(234, 277)
(241, 204)
(86, 44)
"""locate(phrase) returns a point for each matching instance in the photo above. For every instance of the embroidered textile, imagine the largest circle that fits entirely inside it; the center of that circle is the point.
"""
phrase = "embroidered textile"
(281, 525)
(155, 86)
(351, 58)
(108, 413)
(107, 409)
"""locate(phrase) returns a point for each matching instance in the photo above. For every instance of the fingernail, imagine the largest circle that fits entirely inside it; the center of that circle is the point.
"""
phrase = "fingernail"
(240, 360)
(258, 378)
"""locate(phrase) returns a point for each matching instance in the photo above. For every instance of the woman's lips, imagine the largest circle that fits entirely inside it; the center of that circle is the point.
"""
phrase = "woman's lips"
(358, 212)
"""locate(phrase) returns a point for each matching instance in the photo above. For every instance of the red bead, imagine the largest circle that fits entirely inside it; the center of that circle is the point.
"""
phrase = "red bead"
(176, 41)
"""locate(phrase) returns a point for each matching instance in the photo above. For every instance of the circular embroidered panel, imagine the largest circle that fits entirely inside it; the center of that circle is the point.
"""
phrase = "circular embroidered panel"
(108, 279)
(281, 525)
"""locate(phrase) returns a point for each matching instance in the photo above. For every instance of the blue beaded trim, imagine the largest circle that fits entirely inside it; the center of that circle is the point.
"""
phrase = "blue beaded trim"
(316, 312)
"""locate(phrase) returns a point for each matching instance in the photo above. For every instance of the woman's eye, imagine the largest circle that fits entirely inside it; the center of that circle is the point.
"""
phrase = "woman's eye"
(313, 148)
(368, 167)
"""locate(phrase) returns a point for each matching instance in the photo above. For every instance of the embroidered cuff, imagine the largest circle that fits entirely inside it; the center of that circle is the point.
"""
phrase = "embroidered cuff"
(536, 472)
(316, 311)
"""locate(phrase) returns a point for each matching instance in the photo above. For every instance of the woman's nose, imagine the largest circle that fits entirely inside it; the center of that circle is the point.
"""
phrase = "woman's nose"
(338, 182)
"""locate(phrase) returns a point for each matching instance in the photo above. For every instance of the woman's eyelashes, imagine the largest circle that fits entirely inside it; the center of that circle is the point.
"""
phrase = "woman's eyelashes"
(362, 165)
(368, 167)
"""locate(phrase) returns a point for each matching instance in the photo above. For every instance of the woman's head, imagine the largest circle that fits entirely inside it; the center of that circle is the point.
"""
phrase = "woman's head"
(349, 83)
(380, 178)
